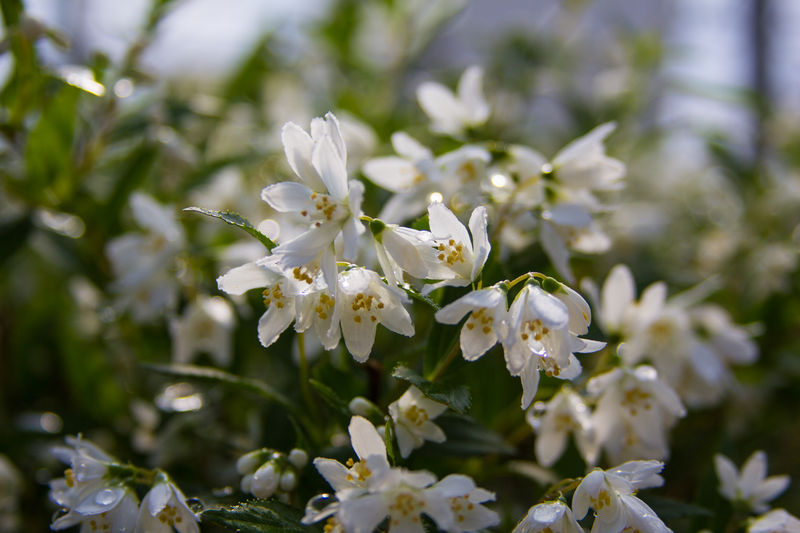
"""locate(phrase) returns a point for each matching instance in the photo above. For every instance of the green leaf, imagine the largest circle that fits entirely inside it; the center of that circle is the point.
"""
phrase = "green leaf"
(49, 151)
(238, 221)
(260, 516)
(212, 374)
(422, 223)
(331, 398)
(456, 397)
(466, 437)
(669, 509)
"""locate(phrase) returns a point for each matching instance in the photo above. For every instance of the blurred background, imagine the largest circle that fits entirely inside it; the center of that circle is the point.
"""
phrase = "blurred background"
(185, 100)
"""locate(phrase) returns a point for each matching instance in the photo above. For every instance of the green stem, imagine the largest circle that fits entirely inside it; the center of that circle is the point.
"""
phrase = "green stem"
(565, 485)
(442, 366)
(304, 386)
(520, 279)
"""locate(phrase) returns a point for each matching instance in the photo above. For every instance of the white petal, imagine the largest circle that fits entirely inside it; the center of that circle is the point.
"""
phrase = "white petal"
(359, 337)
(394, 174)
(350, 238)
(618, 293)
(331, 168)
(298, 146)
(307, 246)
(439, 103)
(362, 515)
(549, 309)
(404, 252)
(101, 501)
(335, 133)
(151, 215)
(557, 252)
(454, 485)
(288, 197)
(530, 382)
(651, 302)
(453, 312)
(572, 215)
(405, 440)
(590, 486)
(549, 446)
(753, 472)
(728, 476)
(445, 225)
(334, 472)
(248, 276)
(580, 146)
(275, 321)
(410, 148)
(771, 487)
(470, 93)
(481, 246)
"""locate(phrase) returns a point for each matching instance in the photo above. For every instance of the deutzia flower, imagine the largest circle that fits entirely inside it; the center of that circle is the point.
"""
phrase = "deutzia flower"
(401, 249)
(632, 413)
(325, 198)
(139, 260)
(552, 517)
(486, 325)
(461, 256)
(206, 325)
(565, 413)
(111, 508)
(775, 521)
(540, 336)
(453, 114)
(583, 163)
(751, 486)
(370, 491)
(611, 494)
(364, 301)
(164, 507)
(413, 414)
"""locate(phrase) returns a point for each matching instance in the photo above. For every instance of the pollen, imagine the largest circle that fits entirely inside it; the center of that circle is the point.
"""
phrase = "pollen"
(366, 305)
(480, 317)
(274, 294)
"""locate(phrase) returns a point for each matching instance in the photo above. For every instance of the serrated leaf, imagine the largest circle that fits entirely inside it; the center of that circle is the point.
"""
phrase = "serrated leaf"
(669, 509)
(331, 397)
(260, 516)
(422, 223)
(237, 220)
(212, 374)
(456, 397)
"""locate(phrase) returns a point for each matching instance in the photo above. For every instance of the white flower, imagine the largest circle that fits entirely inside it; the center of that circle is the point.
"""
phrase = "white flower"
(370, 491)
(570, 226)
(565, 413)
(87, 474)
(750, 486)
(266, 471)
(775, 521)
(610, 494)
(401, 249)
(108, 508)
(325, 198)
(206, 325)
(413, 414)
(632, 413)
(553, 517)
(362, 302)
(462, 257)
(402, 174)
(163, 508)
(486, 325)
(453, 114)
(583, 163)
(140, 260)
(540, 337)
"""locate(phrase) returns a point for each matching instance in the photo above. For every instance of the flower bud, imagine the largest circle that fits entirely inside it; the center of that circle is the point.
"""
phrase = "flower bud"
(248, 463)
(246, 483)
(288, 481)
(550, 285)
(360, 406)
(265, 481)
(298, 458)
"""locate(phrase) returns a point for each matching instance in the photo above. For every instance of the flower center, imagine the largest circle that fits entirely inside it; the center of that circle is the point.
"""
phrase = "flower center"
(480, 318)
(406, 505)
(302, 274)
(276, 294)
(416, 415)
(169, 515)
(366, 306)
(326, 303)
(358, 471)
(100, 523)
(603, 500)
(460, 504)
(535, 329)
(636, 398)
(451, 252)
(324, 207)
(565, 422)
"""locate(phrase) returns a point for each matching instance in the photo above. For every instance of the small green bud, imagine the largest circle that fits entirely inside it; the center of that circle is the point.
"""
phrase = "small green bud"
(376, 226)
(503, 286)
(533, 282)
(550, 285)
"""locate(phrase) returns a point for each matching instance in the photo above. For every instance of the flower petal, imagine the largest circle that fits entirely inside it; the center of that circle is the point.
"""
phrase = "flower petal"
(481, 246)
(394, 174)
(441, 106)
(248, 276)
(298, 145)
(331, 168)
(618, 293)
(275, 321)
(470, 94)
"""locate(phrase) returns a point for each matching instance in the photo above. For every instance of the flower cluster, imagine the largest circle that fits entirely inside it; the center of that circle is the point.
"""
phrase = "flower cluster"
(97, 492)
(369, 491)
(267, 472)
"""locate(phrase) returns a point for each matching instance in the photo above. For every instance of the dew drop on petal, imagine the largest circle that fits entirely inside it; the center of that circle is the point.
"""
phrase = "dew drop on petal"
(105, 497)
(318, 503)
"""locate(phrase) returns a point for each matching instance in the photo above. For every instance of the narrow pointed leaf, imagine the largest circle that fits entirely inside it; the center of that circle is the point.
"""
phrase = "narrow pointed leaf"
(260, 516)
(456, 397)
(237, 220)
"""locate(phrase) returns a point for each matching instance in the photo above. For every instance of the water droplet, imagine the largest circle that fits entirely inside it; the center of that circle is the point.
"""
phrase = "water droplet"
(105, 497)
(318, 503)
(58, 514)
(195, 505)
